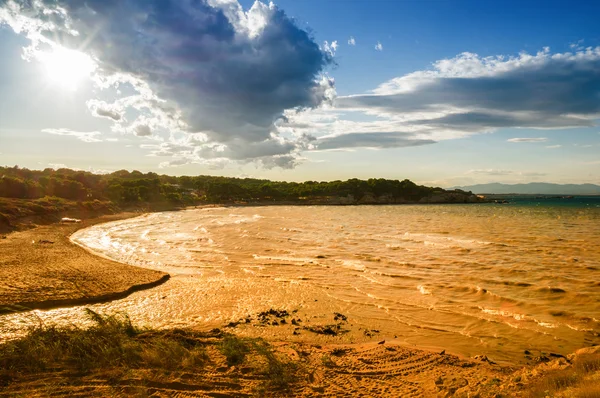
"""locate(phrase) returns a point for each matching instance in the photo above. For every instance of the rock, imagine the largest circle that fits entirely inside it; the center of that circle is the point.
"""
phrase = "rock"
(483, 358)
(340, 317)
(381, 342)
(541, 358)
(555, 355)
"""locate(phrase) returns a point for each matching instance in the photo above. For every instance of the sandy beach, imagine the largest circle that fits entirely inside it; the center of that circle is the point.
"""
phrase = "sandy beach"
(42, 269)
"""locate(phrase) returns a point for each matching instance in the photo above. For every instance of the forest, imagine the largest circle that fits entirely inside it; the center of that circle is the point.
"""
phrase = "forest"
(25, 192)
(126, 188)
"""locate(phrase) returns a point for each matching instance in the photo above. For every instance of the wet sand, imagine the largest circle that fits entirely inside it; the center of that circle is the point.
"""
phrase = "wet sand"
(41, 268)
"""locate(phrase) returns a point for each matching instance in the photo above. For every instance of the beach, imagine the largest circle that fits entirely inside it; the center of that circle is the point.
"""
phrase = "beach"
(41, 268)
(348, 349)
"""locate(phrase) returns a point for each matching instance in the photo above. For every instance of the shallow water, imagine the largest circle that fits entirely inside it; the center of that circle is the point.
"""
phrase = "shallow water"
(472, 279)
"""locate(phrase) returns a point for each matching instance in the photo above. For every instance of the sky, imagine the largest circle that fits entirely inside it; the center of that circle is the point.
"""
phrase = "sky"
(443, 93)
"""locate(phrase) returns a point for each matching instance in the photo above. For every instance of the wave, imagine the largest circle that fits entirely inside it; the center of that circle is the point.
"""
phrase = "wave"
(444, 241)
(518, 317)
(508, 283)
(399, 276)
(551, 290)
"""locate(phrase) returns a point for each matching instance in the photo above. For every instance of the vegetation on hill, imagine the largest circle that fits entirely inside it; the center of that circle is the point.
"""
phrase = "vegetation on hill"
(37, 192)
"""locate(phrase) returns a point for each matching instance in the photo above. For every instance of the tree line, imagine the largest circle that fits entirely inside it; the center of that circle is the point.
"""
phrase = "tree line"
(129, 188)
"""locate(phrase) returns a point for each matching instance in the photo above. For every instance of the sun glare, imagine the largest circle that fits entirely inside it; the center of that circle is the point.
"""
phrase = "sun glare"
(67, 68)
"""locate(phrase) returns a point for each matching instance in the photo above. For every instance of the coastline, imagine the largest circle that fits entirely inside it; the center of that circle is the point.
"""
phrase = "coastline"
(380, 368)
(41, 268)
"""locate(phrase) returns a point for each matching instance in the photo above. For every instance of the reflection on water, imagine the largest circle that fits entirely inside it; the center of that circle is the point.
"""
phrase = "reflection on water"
(470, 278)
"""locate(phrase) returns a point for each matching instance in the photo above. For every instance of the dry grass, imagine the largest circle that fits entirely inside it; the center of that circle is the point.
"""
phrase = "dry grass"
(235, 349)
(114, 346)
(112, 342)
(588, 390)
(578, 380)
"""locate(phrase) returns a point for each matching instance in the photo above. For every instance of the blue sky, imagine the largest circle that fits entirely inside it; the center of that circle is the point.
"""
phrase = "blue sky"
(456, 92)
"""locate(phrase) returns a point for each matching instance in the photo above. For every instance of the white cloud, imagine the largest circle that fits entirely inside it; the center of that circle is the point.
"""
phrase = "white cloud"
(186, 67)
(83, 136)
(330, 48)
(553, 146)
(103, 109)
(473, 94)
(379, 46)
(460, 97)
(529, 139)
(500, 172)
(352, 41)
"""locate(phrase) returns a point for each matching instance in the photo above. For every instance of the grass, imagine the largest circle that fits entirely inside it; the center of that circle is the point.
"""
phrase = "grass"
(112, 342)
(235, 349)
(114, 345)
(579, 380)
(278, 374)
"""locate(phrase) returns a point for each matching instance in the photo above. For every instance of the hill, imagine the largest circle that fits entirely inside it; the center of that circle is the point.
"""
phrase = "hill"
(534, 188)
(47, 195)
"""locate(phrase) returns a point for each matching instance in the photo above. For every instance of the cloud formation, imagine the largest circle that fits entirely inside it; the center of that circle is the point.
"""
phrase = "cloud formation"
(472, 94)
(499, 172)
(82, 136)
(462, 96)
(536, 139)
(375, 140)
(202, 66)
(220, 83)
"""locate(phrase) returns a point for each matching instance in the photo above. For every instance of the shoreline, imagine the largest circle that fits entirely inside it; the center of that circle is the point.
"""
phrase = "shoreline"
(42, 268)
(379, 368)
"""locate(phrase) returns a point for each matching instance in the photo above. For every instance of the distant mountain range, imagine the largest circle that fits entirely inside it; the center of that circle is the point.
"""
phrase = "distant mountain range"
(539, 188)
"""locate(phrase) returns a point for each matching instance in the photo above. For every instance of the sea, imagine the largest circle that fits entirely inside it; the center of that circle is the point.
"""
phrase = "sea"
(505, 280)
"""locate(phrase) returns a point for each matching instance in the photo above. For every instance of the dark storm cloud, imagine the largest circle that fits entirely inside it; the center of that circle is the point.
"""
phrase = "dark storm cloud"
(229, 79)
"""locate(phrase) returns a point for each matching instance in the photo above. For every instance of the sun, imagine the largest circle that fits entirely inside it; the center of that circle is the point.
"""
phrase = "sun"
(67, 68)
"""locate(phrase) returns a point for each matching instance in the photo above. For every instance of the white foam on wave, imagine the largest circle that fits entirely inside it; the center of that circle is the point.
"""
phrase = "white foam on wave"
(518, 317)
(284, 258)
(506, 314)
(443, 241)
(423, 290)
(352, 264)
